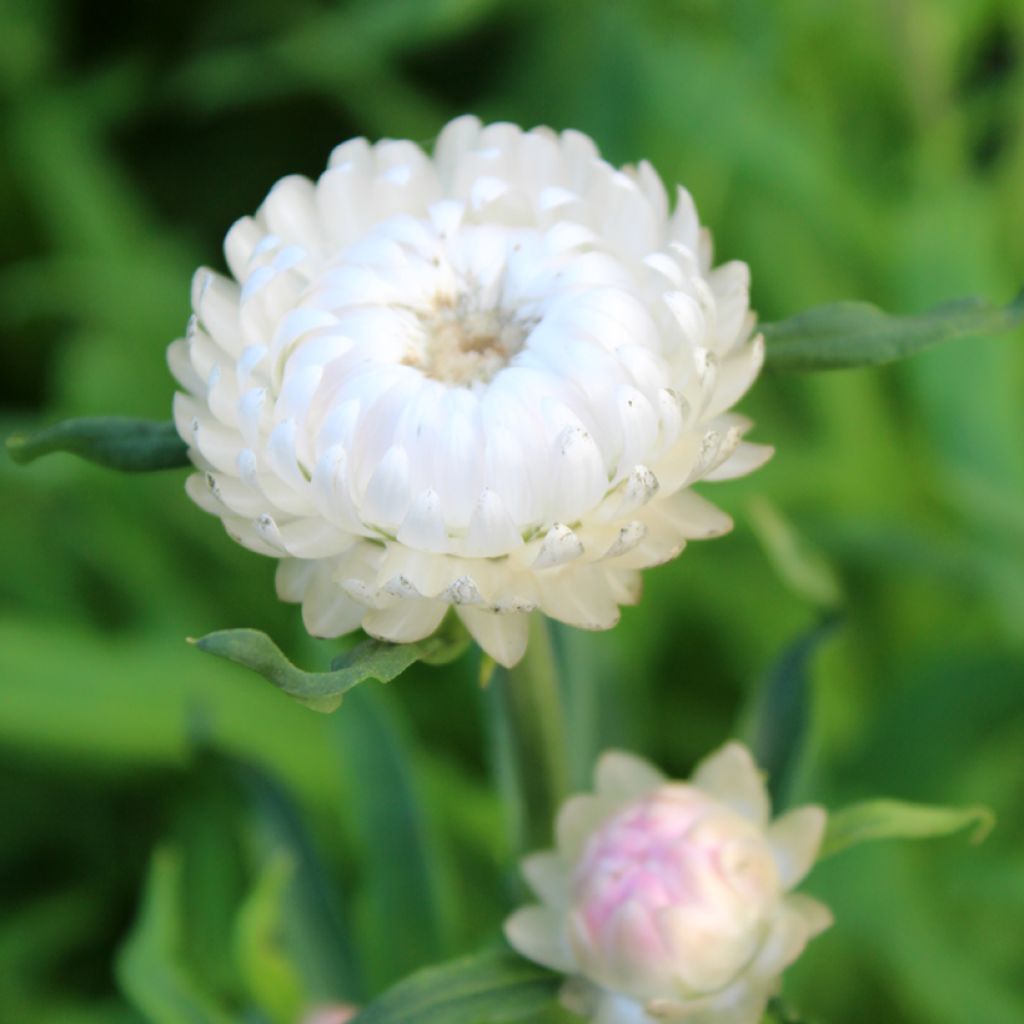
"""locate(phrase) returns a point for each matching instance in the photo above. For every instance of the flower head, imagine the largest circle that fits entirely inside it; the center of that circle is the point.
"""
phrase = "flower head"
(483, 379)
(670, 900)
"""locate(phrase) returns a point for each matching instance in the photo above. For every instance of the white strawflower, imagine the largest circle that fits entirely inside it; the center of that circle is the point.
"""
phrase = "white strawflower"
(670, 900)
(485, 379)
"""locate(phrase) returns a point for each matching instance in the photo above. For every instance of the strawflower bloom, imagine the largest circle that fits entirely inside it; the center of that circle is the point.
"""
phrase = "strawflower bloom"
(671, 900)
(485, 379)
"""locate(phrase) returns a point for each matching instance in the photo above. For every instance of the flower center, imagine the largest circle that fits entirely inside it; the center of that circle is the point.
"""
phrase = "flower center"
(464, 343)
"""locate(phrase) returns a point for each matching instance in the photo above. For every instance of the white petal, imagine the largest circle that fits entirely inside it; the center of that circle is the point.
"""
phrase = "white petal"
(620, 776)
(215, 300)
(290, 212)
(693, 517)
(491, 531)
(744, 460)
(548, 876)
(327, 610)
(817, 917)
(795, 839)
(578, 476)
(387, 494)
(633, 493)
(736, 375)
(423, 527)
(730, 775)
(560, 545)
(628, 537)
(583, 598)
(180, 364)
(577, 820)
(502, 635)
(406, 621)
(800, 918)
(293, 577)
(538, 934)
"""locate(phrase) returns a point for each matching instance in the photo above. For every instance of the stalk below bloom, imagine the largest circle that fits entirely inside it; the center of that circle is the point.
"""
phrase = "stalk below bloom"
(484, 379)
(671, 900)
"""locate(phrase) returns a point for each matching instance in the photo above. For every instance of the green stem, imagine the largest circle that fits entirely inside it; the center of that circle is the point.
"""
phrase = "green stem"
(531, 727)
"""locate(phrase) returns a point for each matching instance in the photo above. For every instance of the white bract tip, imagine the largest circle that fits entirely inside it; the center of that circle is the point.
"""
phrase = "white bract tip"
(494, 371)
(672, 900)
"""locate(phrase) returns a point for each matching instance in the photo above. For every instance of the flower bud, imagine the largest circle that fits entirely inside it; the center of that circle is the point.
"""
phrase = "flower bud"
(335, 1013)
(670, 900)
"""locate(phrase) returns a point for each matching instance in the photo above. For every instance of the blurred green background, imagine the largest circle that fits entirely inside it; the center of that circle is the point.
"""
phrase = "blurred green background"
(871, 150)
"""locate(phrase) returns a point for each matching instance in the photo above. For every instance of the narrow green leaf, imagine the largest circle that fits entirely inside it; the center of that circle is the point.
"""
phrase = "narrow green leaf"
(323, 691)
(487, 988)
(781, 712)
(148, 966)
(270, 977)
(116, 442)
(872, 820)
(849, 334)
(803, 568)
(311, 920)
(399, 891)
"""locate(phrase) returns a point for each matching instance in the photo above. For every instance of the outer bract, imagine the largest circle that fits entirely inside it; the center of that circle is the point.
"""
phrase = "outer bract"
(485, 379)
(670, 900)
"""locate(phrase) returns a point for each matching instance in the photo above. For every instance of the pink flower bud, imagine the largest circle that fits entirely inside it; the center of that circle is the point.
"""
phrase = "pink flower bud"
(338, 1013)
(669, 900)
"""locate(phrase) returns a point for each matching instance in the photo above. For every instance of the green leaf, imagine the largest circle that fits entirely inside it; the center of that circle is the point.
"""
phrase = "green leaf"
(270, 977)
(849, 334)
(803, 568)
(399, 891)
(487, 988)
(311, 923)
(780, 717)
(117, 442)
(323, 691)
(148, 965)
(872, 820)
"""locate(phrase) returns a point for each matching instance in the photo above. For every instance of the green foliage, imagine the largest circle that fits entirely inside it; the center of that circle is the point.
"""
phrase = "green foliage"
(897, 819)
(850, 334)
(150, 967)
(488, 988)
(864, 152)
(401, 883)
(781, 713)
(271, 981)
(323, 691)
(116, 442)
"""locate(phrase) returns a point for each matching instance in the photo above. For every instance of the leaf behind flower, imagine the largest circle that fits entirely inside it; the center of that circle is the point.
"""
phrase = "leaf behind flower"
(843, 335)
(116, 442)
(872, 820)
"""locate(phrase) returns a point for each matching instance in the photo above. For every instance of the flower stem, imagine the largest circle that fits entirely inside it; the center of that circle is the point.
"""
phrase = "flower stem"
(531, 729)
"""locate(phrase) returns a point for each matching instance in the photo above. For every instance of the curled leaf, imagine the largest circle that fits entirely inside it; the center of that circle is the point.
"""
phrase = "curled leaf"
(849, 334)
(116, 442)
(872, 820)
(323, 691)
